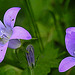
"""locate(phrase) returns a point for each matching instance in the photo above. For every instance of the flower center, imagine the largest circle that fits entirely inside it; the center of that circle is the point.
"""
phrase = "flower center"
(5, 34)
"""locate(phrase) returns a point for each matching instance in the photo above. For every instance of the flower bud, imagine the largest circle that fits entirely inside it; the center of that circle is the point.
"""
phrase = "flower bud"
(30, 55)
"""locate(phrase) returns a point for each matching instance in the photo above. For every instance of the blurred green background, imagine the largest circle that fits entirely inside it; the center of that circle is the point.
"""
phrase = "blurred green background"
(46, 20)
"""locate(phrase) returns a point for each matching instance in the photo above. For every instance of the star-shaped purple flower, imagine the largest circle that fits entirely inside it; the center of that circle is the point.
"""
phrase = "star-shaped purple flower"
(10, 35)
(69, 62)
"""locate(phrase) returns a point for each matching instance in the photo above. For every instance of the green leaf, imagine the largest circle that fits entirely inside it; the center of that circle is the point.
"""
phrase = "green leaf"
(26, 72)
(47, 60)
(9, 70)
(42, 68)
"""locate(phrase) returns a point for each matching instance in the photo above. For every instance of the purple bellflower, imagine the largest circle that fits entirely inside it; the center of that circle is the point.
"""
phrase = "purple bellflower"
(69, 62)
(30, 55)
(10, 35)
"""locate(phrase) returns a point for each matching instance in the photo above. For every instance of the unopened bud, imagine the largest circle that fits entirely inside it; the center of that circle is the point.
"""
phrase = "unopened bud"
(30, 55)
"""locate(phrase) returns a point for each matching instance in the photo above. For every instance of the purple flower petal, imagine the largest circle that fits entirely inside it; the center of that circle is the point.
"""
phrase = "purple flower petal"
(3, 51)
(20, 33)
(70, 30)
(1, 25)
(10, 16)
(66, 64)
(14, 43)
(70, 40)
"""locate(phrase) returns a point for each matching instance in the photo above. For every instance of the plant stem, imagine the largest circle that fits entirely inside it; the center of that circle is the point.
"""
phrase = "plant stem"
(37, 33)
(31, 70)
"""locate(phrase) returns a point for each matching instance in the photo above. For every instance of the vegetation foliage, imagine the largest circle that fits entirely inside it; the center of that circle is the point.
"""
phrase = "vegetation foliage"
(46, 20)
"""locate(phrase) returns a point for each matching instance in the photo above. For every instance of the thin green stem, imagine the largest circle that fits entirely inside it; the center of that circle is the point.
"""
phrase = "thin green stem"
(55, 24)
(32, 71)
(37, 33)
(17, 55)
(67, 4)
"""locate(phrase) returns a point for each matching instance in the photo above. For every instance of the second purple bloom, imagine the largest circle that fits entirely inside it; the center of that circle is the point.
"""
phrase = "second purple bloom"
(69, 62)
